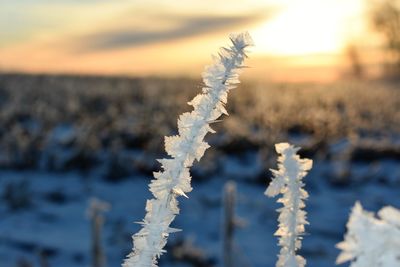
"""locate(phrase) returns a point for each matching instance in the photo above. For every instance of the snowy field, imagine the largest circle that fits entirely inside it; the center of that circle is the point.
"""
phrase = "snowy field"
(67, 140)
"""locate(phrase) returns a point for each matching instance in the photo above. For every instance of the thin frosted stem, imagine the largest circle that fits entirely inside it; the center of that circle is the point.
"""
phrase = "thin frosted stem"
(288, 181)
(186, 147)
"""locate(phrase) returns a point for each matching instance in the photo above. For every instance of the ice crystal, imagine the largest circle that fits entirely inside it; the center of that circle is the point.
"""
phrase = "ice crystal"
(173, 179)
(371, 241)
(288, 181)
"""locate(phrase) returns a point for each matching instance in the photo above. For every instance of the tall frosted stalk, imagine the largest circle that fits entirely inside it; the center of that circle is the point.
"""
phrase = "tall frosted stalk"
(186, 147)
(288, 181)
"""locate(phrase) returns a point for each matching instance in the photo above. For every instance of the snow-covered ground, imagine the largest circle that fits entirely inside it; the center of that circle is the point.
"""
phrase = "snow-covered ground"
(52, 223)
(65, 140)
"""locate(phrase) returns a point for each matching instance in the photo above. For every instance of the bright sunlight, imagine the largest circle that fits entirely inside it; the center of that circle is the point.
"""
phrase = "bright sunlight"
(308, 27)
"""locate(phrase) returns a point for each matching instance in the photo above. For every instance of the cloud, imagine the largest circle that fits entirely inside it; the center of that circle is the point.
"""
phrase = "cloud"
(186, 27)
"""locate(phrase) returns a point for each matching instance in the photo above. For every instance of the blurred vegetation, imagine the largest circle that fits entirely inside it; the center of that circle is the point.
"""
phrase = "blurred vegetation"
(116, 125)
(385, 18)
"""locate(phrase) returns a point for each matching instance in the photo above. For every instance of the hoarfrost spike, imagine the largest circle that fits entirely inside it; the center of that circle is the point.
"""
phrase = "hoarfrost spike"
(288, 181)
(174, 178)
(371, 241)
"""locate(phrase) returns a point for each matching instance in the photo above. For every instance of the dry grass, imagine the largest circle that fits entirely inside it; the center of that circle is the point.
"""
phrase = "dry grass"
(111, 115)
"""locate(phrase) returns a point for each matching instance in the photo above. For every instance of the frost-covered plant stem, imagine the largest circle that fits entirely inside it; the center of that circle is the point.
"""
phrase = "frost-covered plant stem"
(229, 223)
(371, 241)
(174, 178)
(288, 181)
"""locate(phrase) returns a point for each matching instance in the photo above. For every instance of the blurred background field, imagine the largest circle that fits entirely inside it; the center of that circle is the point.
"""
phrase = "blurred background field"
(58, 123)
(86, 98)
(67, 139)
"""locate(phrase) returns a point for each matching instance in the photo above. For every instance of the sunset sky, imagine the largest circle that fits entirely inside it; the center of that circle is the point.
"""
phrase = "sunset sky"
(295, 39)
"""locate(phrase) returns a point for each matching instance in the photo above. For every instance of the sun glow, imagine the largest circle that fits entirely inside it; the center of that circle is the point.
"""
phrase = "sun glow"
(298, 40)
(307, 27)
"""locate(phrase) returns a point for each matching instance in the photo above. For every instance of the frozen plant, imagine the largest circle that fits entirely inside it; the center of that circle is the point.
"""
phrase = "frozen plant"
(229, 223)
(371, 241)
(186, 147)
(287, 180)
(95, 212)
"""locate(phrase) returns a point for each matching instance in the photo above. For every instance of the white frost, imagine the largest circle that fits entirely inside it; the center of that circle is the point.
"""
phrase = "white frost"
(186, 147)
(371, 241)
(288, 181)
